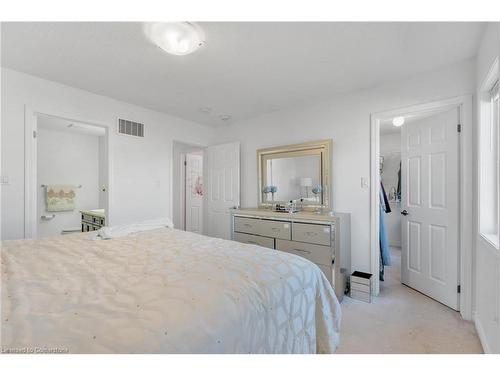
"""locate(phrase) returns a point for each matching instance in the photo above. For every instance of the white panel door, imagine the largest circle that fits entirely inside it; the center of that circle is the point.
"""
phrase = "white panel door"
(430, 206)
(194, 192)
(223, 187)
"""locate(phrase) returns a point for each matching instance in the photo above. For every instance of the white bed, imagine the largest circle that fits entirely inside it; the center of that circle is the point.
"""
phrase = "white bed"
(163, 291)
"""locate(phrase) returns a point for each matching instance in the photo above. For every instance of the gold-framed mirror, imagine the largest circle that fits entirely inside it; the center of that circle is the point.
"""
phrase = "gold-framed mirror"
(298, 172)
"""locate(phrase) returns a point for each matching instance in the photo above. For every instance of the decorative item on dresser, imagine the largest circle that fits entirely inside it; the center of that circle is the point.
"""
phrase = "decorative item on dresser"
(93, 220)
(322, 238)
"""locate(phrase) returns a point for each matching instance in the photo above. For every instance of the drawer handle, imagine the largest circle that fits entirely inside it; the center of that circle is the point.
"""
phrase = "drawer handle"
(252, 242)
(311, 233)
(302, 251)
(247, 225)
(276, 229)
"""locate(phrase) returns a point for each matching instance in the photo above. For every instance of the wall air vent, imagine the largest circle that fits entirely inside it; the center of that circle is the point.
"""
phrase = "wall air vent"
(133, 128)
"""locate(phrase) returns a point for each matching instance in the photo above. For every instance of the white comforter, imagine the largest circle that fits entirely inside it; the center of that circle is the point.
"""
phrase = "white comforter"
(163, 291)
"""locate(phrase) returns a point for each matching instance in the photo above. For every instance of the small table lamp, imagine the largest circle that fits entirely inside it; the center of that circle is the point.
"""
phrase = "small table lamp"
(307, 183)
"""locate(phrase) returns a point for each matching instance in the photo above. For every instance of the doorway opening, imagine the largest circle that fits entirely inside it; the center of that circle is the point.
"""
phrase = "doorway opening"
(390, 185)
(188, 187)
(420, 156)
(71, 172)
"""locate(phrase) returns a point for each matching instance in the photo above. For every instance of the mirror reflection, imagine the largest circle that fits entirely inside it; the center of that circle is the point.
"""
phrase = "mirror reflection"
(298, 173)
(297, 177)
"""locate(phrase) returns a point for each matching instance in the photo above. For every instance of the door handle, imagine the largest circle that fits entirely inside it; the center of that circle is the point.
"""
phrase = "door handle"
(404, 212)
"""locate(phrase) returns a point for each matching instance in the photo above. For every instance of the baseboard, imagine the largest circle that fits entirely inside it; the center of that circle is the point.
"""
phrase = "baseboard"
(481, 334)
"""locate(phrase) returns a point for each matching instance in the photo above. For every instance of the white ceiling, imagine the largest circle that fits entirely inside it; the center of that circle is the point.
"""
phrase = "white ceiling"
(244, 70)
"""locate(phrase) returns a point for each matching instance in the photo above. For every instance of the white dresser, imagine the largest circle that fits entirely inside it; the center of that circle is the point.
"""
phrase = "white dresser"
(324, 239)
(93, 220)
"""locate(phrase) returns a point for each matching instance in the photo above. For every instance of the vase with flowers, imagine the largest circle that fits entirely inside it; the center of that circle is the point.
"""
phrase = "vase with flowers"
(273, 190)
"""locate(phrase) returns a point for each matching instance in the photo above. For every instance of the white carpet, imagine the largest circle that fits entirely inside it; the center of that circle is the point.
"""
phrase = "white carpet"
(402, 320)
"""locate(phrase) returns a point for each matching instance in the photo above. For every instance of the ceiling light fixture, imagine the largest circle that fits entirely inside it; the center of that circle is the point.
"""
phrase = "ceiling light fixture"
(206, 110)
(176, 38)
(398, 121)
(225, 117)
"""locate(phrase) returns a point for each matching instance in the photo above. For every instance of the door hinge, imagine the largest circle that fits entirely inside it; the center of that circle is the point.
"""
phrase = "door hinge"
(185, 163)
(458, 289)
(459, 128)
(34, 133)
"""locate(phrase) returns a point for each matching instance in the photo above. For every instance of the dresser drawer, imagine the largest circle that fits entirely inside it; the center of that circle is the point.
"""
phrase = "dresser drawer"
(276, 229)
(246, 225)
(87, 227)
(254, 240)
(87, 218)
(311, 233)
(266, 228)
(321, 255)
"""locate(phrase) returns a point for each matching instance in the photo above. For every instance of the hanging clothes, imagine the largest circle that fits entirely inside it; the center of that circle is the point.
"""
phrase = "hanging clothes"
(398, 191)
(385, 201)
(385, 254)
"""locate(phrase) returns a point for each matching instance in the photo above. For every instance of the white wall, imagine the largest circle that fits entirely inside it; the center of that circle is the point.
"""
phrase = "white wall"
(487, 258)
(345, 119)
(141, 167)
(390, 149)
(390, 142)
(67, 158)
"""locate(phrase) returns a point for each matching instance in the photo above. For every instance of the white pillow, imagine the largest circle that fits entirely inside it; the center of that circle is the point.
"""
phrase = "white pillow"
(106, 233)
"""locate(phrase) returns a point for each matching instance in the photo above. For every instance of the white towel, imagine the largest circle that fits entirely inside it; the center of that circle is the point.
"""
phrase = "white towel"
(106, 233)
(60, 198)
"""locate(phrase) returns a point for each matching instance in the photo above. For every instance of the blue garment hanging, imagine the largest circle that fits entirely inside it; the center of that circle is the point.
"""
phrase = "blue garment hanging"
(385, 254)
(384, 243)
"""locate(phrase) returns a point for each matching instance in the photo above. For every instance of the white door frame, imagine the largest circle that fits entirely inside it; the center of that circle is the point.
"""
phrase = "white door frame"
(31, 185)
(464, 104)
